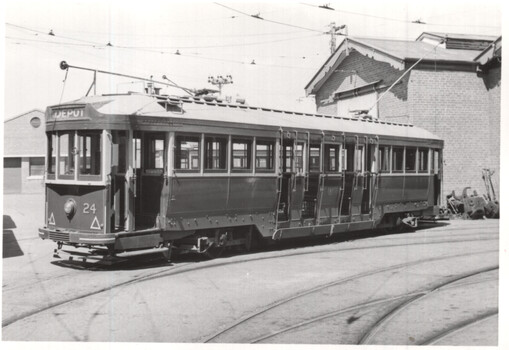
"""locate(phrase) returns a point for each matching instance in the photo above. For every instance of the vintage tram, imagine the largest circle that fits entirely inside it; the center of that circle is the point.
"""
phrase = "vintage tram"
(133, 174)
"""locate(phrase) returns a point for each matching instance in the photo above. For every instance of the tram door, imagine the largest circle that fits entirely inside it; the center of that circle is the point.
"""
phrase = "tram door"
(291, 181)
(359, 180)
(149, 163)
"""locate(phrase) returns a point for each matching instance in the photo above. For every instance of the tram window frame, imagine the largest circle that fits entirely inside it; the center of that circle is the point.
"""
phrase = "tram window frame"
(120, 140)
(210, 159)
(51, 155)
(246, 161)
(330, 167)
(154, 164)
(92, 171)
(190, 158)
(423, 166)
(397, 160)
(299, 158)
(384, 159)
(70, 167)
(359, 159)
(315, 166)
(410, 160)
(268, 156)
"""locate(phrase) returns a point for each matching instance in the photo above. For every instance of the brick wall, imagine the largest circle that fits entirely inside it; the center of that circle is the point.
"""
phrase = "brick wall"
(393, 105)
(460, 106)
(456, 106)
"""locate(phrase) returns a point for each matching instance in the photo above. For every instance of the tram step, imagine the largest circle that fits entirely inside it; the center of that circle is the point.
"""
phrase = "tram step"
(142, 252)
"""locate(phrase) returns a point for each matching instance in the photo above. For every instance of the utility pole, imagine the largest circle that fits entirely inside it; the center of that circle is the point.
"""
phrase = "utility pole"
(220, 81)
(333, 31)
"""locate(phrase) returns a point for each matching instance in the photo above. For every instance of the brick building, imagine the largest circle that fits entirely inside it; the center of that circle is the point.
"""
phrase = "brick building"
(453, 91)
(24, 152)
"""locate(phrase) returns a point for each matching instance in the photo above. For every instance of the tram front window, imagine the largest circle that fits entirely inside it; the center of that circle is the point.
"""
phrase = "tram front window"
(90, 153)
(66, 154)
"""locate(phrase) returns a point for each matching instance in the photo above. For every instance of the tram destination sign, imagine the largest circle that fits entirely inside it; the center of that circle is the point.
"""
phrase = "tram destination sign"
(74, 113)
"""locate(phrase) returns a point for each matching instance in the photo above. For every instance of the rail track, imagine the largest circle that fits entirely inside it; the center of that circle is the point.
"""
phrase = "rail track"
(193, 266)
(222, 335)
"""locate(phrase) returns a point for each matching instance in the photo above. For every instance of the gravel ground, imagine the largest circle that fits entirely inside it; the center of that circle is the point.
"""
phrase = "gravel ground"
(398, 289)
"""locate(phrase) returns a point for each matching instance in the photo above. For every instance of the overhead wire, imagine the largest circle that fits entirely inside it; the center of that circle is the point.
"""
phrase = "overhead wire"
(417, 21)
(257, 17)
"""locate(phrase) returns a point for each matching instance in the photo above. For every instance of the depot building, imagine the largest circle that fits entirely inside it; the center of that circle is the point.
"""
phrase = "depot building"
(24, 153)
(448, 84)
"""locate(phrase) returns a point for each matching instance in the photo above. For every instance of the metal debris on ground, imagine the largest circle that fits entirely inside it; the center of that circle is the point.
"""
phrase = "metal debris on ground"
(475, 206)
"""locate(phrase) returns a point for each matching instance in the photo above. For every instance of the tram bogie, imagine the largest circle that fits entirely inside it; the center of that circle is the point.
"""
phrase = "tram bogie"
(135, 174)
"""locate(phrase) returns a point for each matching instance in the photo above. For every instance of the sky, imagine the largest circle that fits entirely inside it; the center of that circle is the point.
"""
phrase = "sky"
(214, 39)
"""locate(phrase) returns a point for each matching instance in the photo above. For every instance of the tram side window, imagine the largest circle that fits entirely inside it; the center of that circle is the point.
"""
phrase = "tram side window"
(118, 152)
(314, 157)
(384, 158)
(359, 159)
(187, 153)
(331, 155)
(52, 153)
(154, 153)
(423, 160)
(397, 159)
(241, 154)
(410, 159)
(90, 153)
(215, 153)
(264, 155)
(299, 158)
(66, 154)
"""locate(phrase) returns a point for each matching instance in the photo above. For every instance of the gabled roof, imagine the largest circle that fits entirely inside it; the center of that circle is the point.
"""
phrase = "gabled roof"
(455, 36)
(394, 52)
(35, 110)
(491, 52)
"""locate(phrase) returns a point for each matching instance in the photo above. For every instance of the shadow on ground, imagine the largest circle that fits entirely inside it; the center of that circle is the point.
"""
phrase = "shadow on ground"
(158, 261)
(11, 247)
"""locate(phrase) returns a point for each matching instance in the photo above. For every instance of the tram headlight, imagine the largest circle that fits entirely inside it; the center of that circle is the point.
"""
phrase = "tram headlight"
(70, 208)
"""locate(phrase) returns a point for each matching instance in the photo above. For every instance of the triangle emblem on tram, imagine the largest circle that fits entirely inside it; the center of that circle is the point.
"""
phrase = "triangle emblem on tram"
(51, 220)
(95, 224)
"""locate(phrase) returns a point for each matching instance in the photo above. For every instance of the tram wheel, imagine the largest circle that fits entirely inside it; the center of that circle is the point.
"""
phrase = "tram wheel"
(214, 252)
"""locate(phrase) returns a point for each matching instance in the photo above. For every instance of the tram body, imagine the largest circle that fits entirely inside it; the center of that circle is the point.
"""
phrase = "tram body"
(133, 174)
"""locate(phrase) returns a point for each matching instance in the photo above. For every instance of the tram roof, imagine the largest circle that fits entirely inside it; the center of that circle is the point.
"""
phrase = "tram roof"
(214, 111)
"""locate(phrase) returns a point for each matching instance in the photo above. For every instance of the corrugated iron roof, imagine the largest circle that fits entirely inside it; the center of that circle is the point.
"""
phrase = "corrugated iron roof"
(474, 37)
(414, 50)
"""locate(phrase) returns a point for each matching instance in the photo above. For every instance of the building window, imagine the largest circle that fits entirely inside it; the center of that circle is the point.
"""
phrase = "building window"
(423, 160)
(215, 153)
(331, 158)
(36, 166)
(397, 159)
(410, 160)
(241, 154)
(187, 153)
(35, 122)
(314, 158)
(264, 155)
(384, 153)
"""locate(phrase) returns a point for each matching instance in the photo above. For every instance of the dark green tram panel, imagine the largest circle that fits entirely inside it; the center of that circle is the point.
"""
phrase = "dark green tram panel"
(87, 214)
